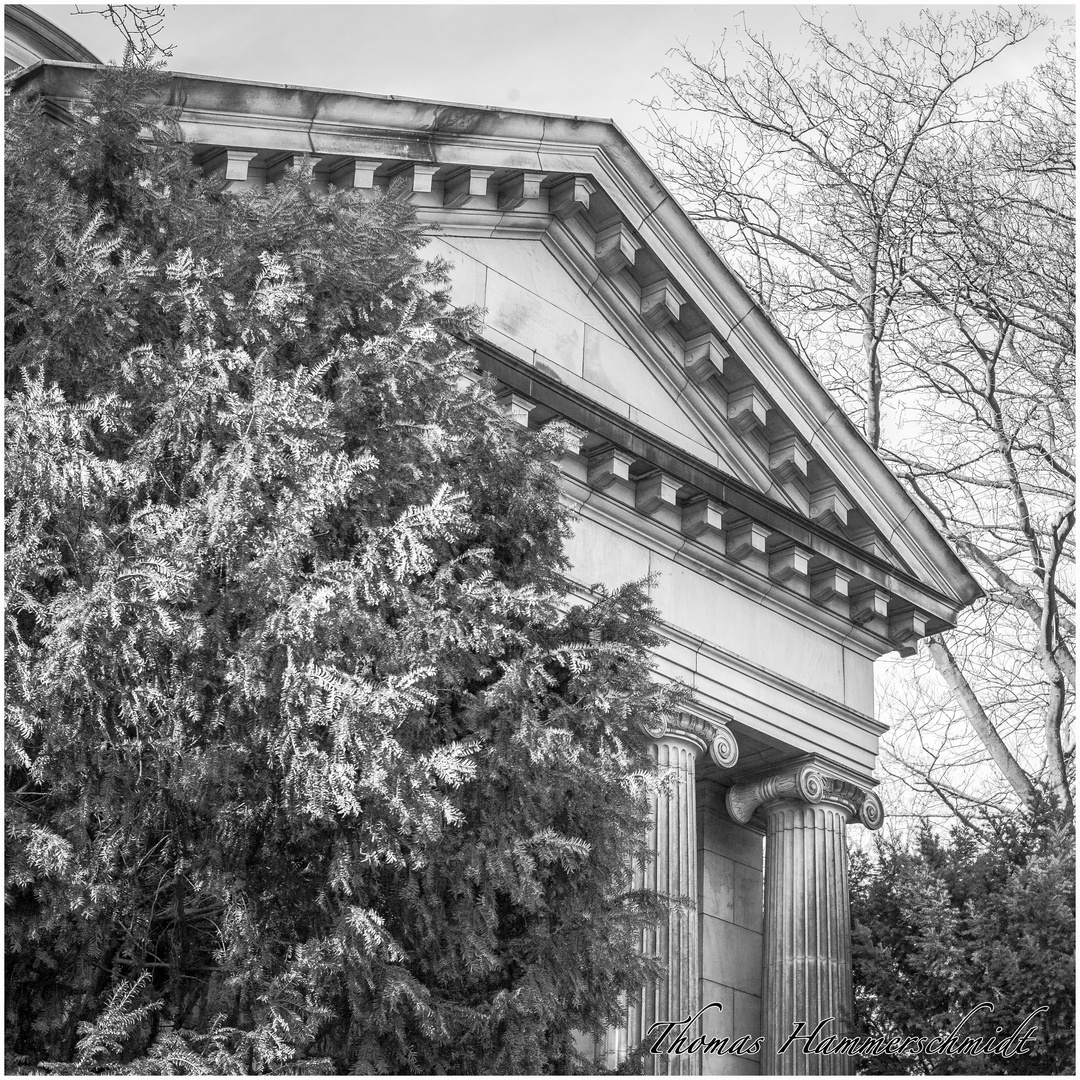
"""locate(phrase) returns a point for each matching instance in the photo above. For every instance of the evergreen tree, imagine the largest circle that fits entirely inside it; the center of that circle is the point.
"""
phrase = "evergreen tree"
(945, 923)
(309, 764)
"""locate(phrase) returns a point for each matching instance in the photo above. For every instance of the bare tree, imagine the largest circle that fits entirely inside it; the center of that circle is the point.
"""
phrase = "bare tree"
(141, 27)
(912, 229)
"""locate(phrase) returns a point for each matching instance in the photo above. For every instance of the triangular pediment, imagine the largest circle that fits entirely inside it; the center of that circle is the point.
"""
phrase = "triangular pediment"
(597, 286)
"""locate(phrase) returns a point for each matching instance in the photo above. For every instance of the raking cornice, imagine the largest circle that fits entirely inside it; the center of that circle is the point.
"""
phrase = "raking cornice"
(217, 112)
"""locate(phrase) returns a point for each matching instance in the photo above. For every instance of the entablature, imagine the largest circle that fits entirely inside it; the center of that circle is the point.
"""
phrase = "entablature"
(730, 529)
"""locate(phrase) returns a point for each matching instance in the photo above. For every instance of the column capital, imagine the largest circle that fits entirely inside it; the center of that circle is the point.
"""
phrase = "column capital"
(711, 735)
(805, 782)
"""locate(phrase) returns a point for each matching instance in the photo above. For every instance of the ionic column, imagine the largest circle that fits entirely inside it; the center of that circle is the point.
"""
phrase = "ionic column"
(672, 872)
(807, 949)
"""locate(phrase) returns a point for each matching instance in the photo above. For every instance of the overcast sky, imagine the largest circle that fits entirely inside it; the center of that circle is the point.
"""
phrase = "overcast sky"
(591, 60)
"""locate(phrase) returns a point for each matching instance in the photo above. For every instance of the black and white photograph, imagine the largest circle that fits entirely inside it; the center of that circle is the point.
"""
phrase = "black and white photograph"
(539, 539)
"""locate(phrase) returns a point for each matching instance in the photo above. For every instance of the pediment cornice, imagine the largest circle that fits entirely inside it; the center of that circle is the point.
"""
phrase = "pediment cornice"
(578, 184)
(725, 525)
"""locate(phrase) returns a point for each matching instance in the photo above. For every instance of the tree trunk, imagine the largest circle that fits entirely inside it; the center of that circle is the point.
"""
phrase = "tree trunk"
(965, 697)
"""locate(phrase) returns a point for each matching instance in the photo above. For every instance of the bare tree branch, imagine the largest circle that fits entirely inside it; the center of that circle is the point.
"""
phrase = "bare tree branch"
(976, 715)
(140, 26)
(913, 232)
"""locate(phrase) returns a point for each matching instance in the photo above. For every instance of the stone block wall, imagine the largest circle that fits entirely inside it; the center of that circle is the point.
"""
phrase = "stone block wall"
(730, 914)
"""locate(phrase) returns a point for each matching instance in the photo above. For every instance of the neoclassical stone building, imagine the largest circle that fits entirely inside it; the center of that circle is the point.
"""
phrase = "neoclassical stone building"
(785, 557)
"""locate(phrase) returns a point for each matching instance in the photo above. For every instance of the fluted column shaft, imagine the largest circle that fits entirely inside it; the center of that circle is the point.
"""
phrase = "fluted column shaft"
(672, 872)
(807, 949)
(806, 961)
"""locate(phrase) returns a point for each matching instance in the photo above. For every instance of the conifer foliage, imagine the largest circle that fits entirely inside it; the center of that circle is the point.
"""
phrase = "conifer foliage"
(971, 932)
(309, 765)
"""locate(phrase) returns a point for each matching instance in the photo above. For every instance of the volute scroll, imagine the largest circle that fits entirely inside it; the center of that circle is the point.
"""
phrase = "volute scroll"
(805, 783)
(711, 735)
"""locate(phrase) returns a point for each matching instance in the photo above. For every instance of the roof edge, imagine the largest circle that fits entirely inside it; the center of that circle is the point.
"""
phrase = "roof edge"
(657, 213)
(46, 35)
